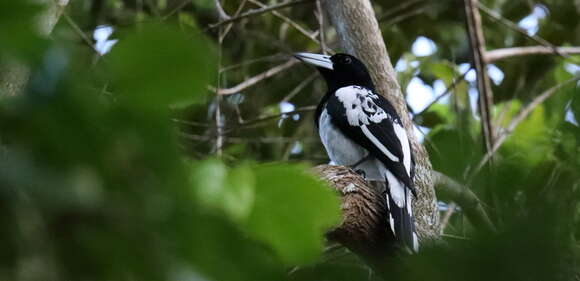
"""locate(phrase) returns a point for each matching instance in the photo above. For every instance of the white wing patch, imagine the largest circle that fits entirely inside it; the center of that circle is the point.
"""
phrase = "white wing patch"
(361, 110)
(360, 106)
(402, 136)
(378, 143)
(396, 189)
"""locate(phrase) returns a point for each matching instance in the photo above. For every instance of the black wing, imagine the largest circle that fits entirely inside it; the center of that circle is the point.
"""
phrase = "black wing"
(371, 121)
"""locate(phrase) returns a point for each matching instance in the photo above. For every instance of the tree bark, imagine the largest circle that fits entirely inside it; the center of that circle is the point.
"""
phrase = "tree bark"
(359, 35)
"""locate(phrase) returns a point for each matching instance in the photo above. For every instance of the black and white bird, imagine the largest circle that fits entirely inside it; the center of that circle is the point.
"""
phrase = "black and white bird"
(361, 129)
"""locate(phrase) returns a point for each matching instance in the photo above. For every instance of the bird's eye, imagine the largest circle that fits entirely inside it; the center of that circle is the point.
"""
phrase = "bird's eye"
(347, 60)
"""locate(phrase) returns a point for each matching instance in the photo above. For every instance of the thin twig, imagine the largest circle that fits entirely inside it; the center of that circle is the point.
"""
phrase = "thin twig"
(229, 26)
(276, 116)
(408, 14)
(191, 123)
(447, 91)
(398, 9)
(321, 33)
(256, 79)
(273, 57)
(477, 42)
(80, 32)
(177, 9)
(260, 11)
(519, 118)
(504, 53)
(300, 87)
(308, 33)
(447, 216)
(246, 139)
(221, 13)
(506, 22)
(218, 99)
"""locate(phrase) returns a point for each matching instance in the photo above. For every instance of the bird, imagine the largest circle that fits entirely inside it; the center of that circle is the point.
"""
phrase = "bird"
(361, 129)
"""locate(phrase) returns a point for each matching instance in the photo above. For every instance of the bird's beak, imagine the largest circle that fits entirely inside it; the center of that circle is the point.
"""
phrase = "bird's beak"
(315, 59)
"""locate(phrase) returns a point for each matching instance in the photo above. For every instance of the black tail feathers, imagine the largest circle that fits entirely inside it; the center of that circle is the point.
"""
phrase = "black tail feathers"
(402, 222)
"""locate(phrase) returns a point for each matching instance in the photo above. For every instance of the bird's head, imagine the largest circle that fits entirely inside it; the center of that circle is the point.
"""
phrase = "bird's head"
(339, 70)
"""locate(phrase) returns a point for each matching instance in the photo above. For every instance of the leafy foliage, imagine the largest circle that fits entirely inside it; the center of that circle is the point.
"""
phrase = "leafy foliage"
(108, 167)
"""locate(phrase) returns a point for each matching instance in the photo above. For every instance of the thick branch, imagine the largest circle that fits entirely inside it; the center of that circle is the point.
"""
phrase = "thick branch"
(359, 34)
(465, 198)
(500, 54)
(363, 228)
(477, 42)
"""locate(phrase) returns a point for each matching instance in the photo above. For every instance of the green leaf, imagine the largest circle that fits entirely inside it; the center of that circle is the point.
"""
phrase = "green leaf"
(438, 114)
(18, 29)
(291, 212)
(452, 151)
(530, 142)
(227, 190)
(442, 70)
(153, 74)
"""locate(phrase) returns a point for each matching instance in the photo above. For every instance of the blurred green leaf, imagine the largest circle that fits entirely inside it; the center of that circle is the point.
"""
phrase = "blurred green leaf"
(19, 27)
(292, 211)
(149, 73)
(441, 70)
(218, 187)
(452, 151)
(438, 114)
(531, 140)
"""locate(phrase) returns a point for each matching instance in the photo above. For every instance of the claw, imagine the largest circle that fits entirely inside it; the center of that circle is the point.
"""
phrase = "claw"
(361, 173)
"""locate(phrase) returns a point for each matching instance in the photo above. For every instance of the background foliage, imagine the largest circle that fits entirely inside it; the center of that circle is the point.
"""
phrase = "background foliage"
(109, 168)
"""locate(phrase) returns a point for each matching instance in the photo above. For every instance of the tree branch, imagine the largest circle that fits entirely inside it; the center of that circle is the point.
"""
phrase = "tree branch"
(363, 226)
(504, 53)
(256, 79)
(447, 91)
(477, 42)
(511, 25)
(519, 118)
(309, 34)
(255, 12)
(466, 199)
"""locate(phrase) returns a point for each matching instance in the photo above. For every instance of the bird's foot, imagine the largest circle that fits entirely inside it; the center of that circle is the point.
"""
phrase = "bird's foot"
(362, 160)
(361, 173)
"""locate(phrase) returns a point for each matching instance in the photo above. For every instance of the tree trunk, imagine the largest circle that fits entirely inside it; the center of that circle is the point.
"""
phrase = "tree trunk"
(359, 35)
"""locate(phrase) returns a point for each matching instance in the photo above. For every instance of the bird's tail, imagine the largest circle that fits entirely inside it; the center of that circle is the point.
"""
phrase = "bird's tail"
(401, 220)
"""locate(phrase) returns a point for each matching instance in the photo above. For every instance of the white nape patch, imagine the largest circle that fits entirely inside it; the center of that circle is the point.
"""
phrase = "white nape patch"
(380, 145)
(359, 105)
(349, 188)
(404, 140)
(415, 242)
(396, 189)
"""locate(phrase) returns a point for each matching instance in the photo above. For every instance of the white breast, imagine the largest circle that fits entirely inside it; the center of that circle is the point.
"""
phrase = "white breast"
(343, 151)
